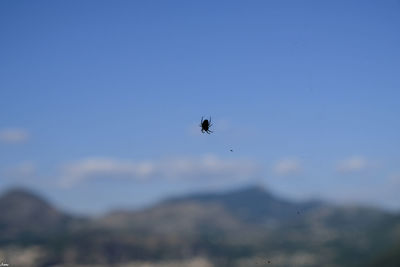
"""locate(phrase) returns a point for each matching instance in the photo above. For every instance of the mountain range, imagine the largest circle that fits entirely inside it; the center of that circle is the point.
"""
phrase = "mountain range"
(246, 227)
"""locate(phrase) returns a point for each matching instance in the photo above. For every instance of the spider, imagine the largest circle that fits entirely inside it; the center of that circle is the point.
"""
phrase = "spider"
(205, 125)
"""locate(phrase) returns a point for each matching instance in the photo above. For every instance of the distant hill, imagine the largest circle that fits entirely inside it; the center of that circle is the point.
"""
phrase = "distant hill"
(225, 211)
(234, 228)
(253, 204)
(25, 215)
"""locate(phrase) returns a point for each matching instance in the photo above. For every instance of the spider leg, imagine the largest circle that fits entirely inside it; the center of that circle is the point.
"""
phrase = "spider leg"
(201, 122)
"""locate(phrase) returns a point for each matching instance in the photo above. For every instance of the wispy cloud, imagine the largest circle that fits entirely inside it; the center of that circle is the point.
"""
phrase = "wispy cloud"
(13, 135)
(395, 179)
(287, 167)
(352, 164)
(204, 167)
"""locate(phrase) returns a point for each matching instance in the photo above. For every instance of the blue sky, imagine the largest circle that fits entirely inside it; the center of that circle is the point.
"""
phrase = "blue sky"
(100, 101)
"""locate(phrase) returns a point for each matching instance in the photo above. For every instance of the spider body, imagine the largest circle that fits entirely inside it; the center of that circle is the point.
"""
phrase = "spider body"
(205, 125)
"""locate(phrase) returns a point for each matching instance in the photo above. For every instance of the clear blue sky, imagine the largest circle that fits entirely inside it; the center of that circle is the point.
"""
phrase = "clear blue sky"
(100, 100)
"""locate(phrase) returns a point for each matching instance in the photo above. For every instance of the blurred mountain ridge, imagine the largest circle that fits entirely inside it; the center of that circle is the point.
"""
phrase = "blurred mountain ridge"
(231, 228)
(24, 213)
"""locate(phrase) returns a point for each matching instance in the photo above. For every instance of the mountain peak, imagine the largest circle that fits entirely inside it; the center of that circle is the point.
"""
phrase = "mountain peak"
(21, 194)
(252, 189)
(23, 210)
(250, 204)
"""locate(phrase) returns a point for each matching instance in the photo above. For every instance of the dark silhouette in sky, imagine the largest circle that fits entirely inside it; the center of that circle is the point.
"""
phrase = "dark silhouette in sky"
(205, 125)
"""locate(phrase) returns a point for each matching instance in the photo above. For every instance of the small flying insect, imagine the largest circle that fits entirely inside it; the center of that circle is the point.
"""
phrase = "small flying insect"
(205, 125)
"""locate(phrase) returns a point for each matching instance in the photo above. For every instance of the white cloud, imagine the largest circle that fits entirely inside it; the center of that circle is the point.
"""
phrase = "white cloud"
(175, 168)
(286, 167)
(352, 164)
(13, 135)
(395, 179)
